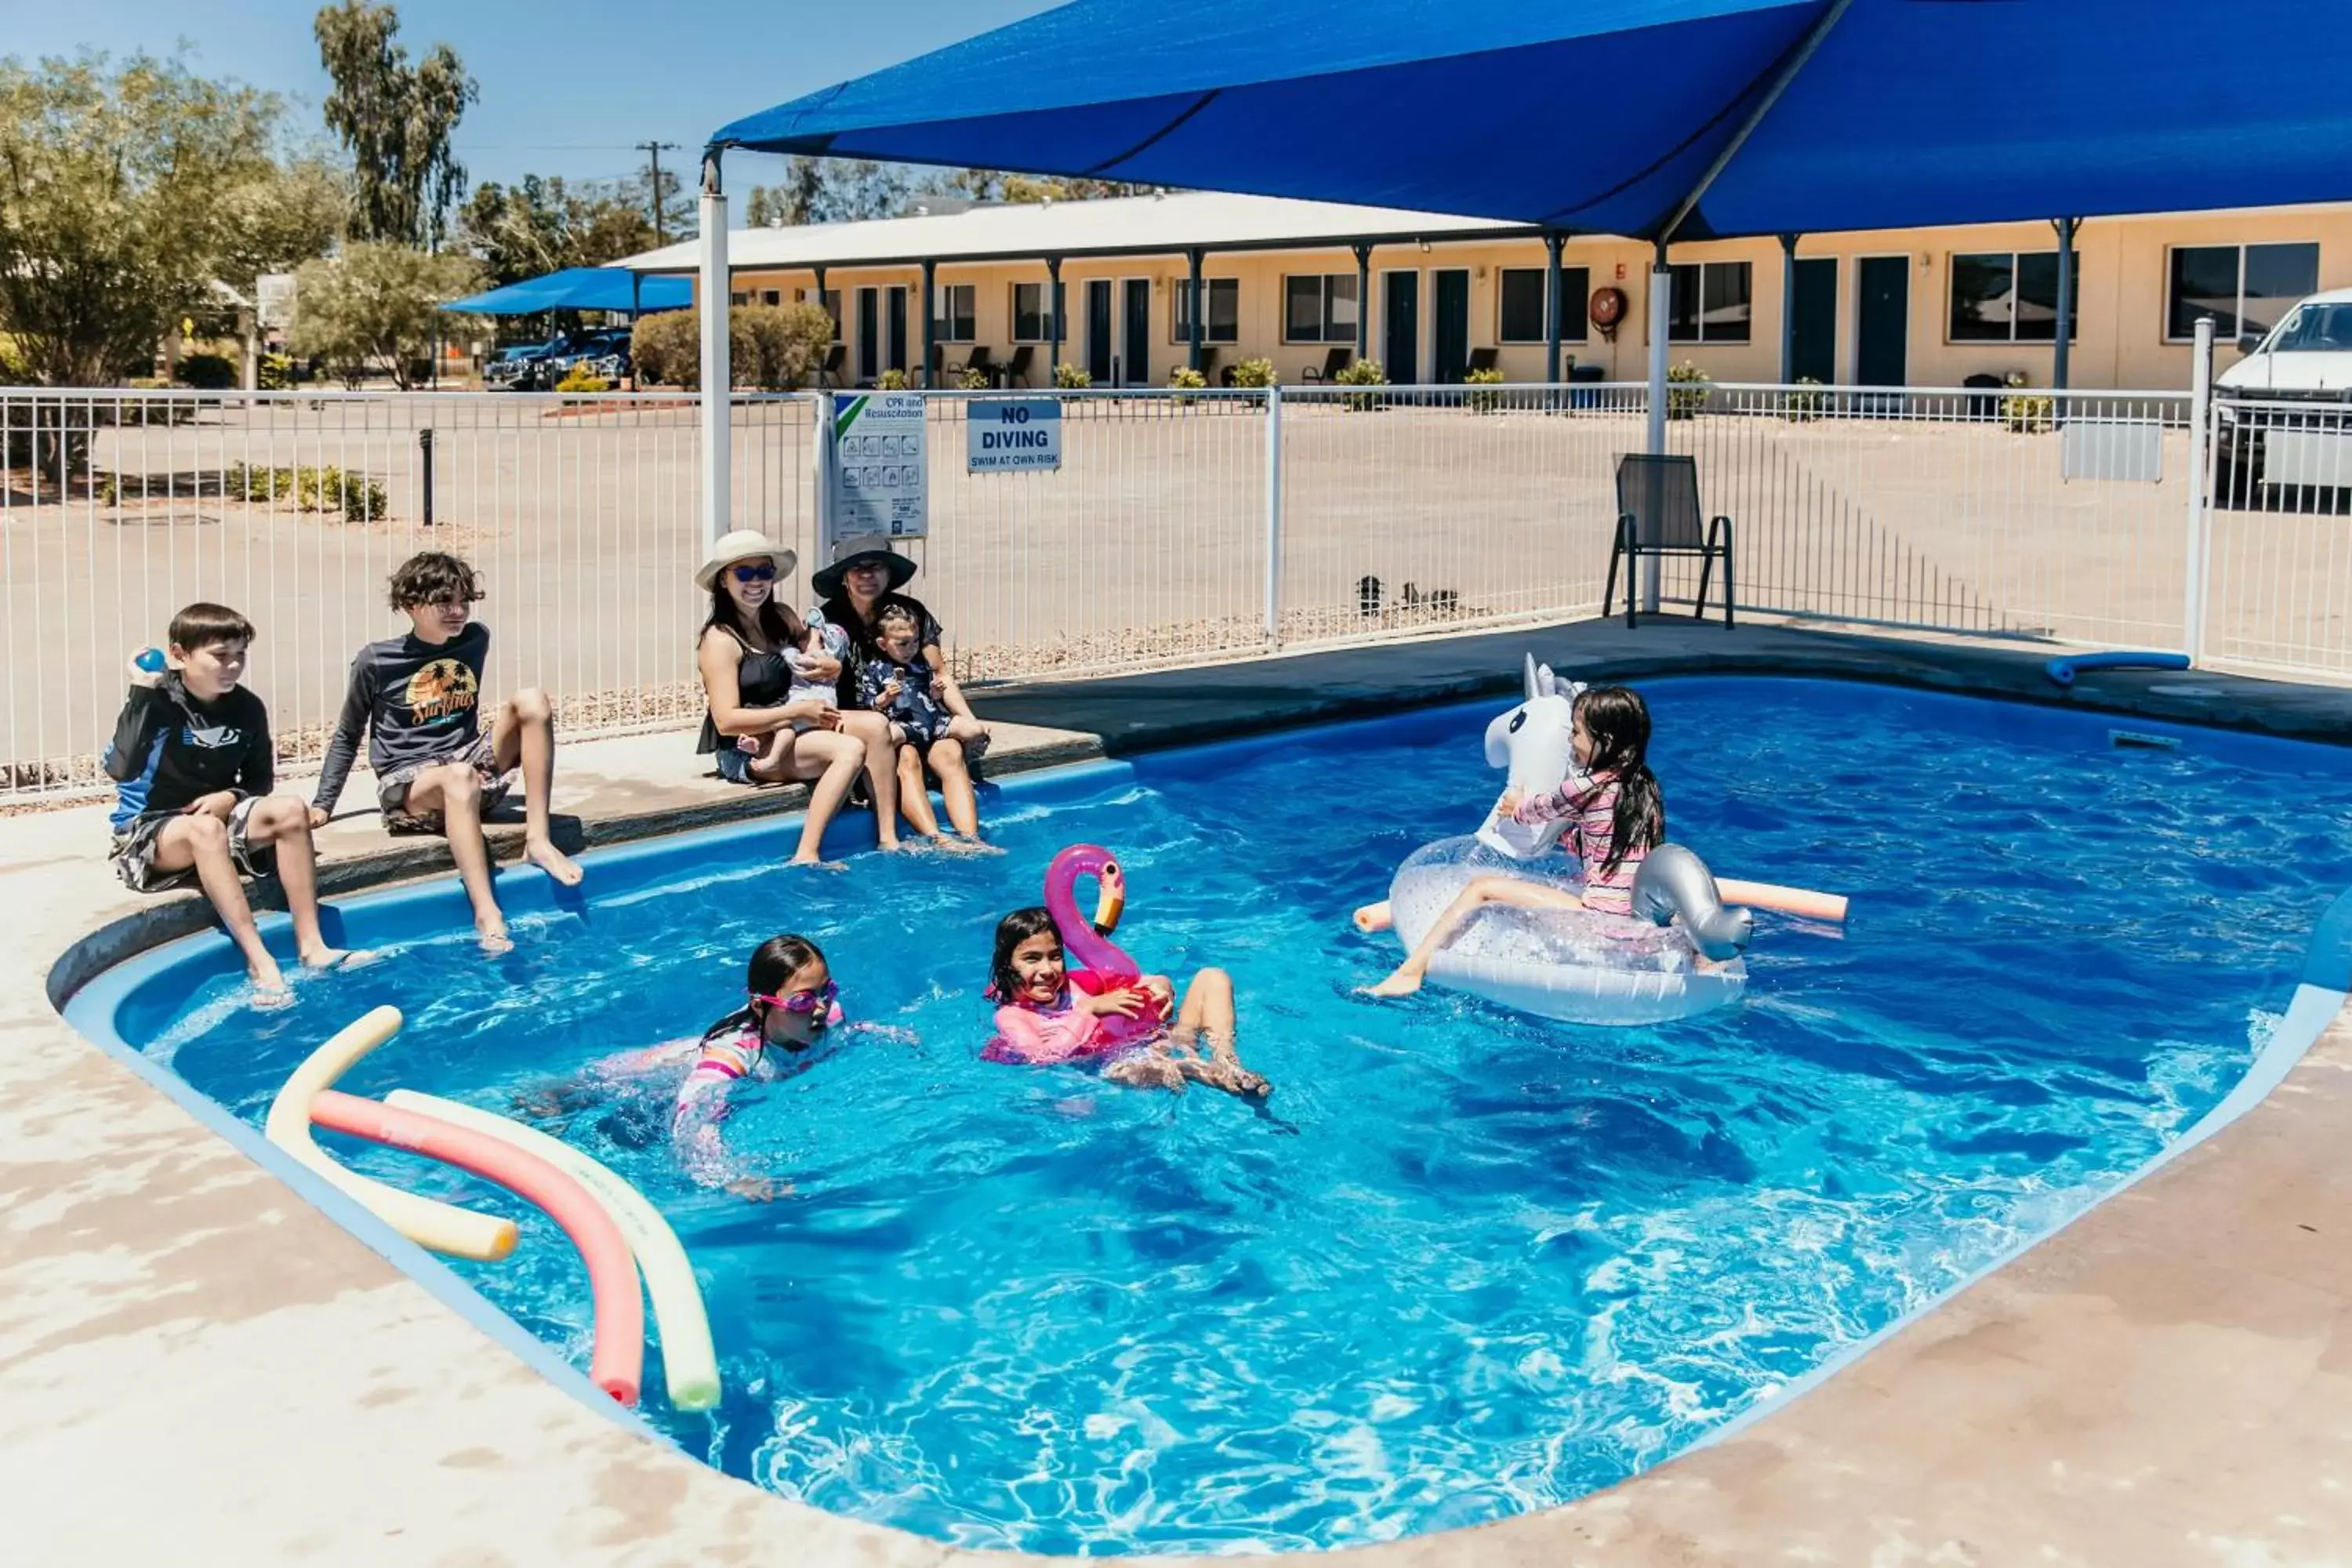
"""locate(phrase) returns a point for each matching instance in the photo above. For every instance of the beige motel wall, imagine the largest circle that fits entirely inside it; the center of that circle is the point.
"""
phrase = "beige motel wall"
(1879, 309)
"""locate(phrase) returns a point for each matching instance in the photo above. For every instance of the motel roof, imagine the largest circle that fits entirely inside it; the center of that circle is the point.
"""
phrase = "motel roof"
(1126, 225)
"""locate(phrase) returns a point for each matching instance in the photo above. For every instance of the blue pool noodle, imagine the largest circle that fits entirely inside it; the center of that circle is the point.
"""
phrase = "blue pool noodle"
(2063, 671)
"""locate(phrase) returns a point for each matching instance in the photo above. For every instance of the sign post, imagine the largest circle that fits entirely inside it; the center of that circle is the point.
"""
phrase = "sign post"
(1019, 436)
(878, 480)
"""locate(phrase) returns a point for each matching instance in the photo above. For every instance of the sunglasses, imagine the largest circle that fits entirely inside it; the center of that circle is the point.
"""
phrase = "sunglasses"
(803, 1001)
(761, 574)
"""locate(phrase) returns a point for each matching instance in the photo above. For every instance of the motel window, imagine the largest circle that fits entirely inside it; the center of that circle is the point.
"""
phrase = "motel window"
(2010, 297)
(1029, 323)
(1520, 304)
(2244, 288)
(1319, 309)
(955, 313)
(740, 297)
(1714, 302)
(772, 296)
(1224, 323)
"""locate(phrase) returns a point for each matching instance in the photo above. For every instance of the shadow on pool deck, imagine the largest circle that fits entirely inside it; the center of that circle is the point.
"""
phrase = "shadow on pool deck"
(2163, 1382)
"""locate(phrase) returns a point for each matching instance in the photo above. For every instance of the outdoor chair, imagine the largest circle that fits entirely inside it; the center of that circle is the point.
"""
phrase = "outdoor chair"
(1208, 363)
(1483, 359)
(978, 361)
(1658, 515)
(1016, 369)
(1333, 363)
(829, 372)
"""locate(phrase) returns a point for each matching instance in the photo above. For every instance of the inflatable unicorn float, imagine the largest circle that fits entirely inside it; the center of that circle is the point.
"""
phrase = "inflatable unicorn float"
(1679, 956)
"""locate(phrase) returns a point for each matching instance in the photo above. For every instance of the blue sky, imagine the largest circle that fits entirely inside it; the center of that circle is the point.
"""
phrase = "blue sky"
(565, 88)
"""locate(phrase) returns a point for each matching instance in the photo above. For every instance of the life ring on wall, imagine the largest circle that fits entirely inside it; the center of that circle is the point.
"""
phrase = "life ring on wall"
(1607, 308)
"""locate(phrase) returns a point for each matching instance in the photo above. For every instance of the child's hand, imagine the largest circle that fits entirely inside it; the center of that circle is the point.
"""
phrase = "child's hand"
(1161, 990)
(220, 803)
(1125, 1002)
(319, 817)
(748, 743)
(1508, 806)
(939, 688)
(141, 675)
(888, 696)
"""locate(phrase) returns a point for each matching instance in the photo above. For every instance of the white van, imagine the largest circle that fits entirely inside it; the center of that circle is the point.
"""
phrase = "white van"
(2306, 359)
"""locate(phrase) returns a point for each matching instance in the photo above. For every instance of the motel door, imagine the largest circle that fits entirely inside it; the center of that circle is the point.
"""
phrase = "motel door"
(1883, 321)
(1098, 330)
(896, 315)
(1401, 327)
(1135, 347)
(1451, 349)
(870, 336)
(1815, 350)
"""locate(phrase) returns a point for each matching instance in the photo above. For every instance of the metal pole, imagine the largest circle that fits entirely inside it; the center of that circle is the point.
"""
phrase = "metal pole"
(1787, 310)
(826, 527)
(930, 285)
(1054, 320)
(2201, 481)
(1662, 309)
(425, 455)
(2058, 368)
(718, 370)
(1274, 517)
(1553, 326)
(1199, 303)
(1363, 302)
(636, 310)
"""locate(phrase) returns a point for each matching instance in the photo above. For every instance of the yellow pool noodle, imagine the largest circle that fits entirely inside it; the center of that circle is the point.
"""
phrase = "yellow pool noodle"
(443, 1227)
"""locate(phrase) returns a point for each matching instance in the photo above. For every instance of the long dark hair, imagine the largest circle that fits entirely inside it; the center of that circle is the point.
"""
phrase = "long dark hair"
(778, 622)
(1014, 929)
(772, 967)
(1619, 722)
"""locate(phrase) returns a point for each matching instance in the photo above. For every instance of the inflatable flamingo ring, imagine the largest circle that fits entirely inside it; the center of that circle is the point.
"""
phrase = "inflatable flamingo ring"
(1088, 942)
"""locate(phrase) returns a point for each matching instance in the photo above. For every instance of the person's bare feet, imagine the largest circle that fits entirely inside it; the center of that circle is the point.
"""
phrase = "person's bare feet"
(270, 991)
(813, 863)
(493, 938)
(1403, 983)
(325, 957)
(544, 855)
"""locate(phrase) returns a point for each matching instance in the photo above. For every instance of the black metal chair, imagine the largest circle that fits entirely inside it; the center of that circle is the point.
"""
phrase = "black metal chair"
(1658, 515)
(1334, 361)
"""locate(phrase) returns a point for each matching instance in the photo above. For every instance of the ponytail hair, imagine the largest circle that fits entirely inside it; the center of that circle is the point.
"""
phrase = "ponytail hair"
(1619, 722)
(772, 969)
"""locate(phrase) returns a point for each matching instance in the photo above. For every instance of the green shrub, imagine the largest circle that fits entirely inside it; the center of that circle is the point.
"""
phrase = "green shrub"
(1687, 393)
(2029, 413)
(1255, 373)
(1072, 377)
(1485, 401)
(1806, 404)
(666, 348)
(357, 497)
(207, 373)
(779, 348)
(974, 381)
(891, 381)
(1362, 373)
(241, 481)
(275, 373)
(581, 379)
(1184, 378)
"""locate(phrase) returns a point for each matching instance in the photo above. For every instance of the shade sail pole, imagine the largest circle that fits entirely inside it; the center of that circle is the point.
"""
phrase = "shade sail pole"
(1797, 60)
(1788, 310)
(1660, 319)
(2063, 343)
(717, 372)
(1553, 326)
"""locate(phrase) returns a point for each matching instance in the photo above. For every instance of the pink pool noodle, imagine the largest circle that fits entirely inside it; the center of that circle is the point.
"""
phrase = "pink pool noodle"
(616, 1360)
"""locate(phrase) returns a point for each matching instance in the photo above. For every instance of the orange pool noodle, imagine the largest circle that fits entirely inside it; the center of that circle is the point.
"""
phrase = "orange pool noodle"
(1373, 918)
(616, 1360)
(1800, 902)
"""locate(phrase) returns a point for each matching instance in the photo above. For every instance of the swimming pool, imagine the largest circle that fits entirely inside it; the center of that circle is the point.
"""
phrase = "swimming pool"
(1467, 1264)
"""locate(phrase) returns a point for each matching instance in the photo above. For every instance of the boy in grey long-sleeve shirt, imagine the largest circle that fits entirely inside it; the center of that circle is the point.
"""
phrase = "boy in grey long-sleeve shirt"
(418, 699)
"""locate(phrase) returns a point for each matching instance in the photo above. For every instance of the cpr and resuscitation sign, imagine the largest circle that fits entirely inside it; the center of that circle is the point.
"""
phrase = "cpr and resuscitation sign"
(880, 478)
(1020, 436)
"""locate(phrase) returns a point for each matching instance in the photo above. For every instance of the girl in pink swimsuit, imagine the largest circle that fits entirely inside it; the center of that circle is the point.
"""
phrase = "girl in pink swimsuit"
(1047, 1015)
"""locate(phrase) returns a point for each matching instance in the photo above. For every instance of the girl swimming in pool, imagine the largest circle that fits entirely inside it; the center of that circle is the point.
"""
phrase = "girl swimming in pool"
(1615, 813)
(1048, 1014)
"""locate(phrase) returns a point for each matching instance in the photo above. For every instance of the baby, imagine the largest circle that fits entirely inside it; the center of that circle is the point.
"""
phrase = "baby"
(825, 641)
(899, 685)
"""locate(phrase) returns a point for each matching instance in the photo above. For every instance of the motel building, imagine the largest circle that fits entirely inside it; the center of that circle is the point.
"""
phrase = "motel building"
(1311, 285)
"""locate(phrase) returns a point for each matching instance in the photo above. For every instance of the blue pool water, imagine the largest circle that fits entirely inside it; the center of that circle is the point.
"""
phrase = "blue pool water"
(1466, 1264)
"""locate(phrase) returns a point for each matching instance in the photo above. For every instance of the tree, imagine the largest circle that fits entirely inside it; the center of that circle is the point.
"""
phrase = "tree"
(1020, 189)
(397, 121)
(375, 303)
(544, 225)
(121, 196)
(280, 219)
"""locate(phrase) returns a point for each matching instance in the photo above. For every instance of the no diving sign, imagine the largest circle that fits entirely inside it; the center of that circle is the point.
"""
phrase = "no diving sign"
(1020, 436)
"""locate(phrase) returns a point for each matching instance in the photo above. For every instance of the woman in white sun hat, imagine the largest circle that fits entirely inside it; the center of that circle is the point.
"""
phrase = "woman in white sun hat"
(855, 590)
(773, 716)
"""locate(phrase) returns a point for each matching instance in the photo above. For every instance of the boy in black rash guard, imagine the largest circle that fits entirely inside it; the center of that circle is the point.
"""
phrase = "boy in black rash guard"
(418, 698)
(191, 763)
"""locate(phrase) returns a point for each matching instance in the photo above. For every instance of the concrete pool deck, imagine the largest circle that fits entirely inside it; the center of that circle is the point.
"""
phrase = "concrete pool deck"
(2167, 1380)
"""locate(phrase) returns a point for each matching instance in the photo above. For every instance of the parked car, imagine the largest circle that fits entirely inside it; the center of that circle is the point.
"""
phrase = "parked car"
(2296, 377)
(517, 369)
(605, 352)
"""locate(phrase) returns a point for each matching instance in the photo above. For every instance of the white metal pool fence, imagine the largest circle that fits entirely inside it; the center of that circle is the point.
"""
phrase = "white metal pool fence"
(1181, 526)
